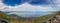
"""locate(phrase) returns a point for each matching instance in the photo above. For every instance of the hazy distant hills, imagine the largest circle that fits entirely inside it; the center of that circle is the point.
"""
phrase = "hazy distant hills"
(14, 16)
(17, 17)
(29, 13)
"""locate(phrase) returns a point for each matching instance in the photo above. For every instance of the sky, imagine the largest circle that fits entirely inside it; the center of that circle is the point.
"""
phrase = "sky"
(30, 5)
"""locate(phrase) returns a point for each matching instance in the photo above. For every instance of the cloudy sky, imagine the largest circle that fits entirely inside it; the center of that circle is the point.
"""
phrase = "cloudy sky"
(30, 5)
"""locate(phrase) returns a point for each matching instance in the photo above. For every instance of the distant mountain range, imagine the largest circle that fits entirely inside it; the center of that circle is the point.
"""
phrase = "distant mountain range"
(29, 13)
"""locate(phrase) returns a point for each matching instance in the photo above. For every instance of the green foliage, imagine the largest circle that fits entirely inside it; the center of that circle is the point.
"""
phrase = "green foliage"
(58, 13)
(4, 16)
(44, 18)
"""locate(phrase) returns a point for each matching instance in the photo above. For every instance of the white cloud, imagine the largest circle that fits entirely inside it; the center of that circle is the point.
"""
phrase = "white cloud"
(57, 3)
(25, 7)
